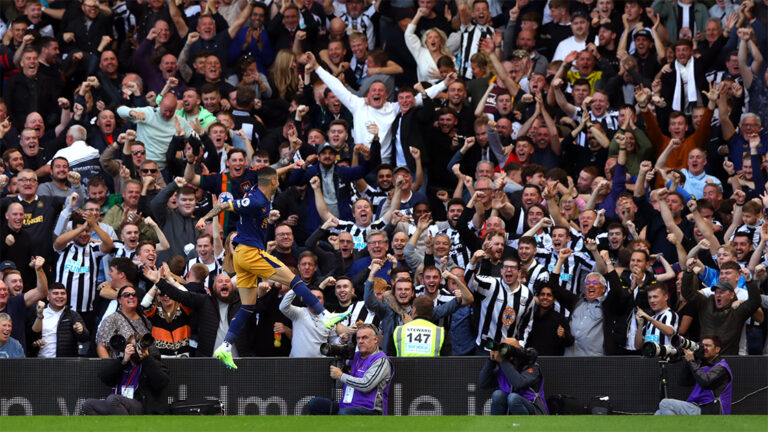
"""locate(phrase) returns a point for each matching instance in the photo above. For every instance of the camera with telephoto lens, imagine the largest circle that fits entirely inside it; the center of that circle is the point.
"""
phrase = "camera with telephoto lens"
(664, 352)
(340, 351)
(507, 351)
(682, 343)
(145, 341)
(117, 343)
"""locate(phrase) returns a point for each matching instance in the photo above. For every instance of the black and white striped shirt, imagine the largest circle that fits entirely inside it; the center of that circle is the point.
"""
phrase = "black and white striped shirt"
(504, 312)
(362, 24)
(470, 41)
(651, 333)
(443, 295)
(359, 313)
(376, 195)
(459, 253)
(76, 269)
(752, 230)
(609, 121)
(573, 273)
(359, 234)
(120, 251)
(537, 276)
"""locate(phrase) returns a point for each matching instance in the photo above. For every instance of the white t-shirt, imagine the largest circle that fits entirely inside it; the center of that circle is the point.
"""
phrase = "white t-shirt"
(50, 325)
(566, 46)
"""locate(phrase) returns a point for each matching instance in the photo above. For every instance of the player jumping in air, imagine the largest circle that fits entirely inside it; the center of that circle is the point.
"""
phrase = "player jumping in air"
(253, 263)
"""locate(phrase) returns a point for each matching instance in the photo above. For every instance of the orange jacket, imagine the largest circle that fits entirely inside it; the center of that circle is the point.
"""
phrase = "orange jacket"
(678, 159)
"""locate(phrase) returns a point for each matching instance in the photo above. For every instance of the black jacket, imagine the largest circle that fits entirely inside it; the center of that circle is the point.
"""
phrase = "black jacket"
(66, 338)
(329, 261)
(669, 82)
(24, 95)
(207, 310)
(412, 127)
(544, 336)
(87, 38)
(44, 212)
(281, 38)
(262, 339)
(153, 379)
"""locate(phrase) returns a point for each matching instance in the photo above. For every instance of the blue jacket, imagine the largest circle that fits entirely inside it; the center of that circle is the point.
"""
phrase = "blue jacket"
(342, 177)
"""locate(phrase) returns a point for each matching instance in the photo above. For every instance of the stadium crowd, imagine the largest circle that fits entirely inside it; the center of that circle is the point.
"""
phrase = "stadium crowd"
(582, 176)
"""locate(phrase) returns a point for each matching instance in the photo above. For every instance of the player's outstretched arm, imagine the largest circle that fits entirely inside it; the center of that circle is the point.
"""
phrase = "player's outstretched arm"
(218, 208)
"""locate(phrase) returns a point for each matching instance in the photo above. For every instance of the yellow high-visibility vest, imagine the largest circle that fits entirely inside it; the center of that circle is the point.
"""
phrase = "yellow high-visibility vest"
(418, 338)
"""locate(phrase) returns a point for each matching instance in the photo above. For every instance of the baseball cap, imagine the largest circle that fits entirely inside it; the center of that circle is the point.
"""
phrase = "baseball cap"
(643, 32)
(520, 53)
(401, 167)
(401, 14)
(7, 265)
(724, 285)
(326, 145)
(579, 13)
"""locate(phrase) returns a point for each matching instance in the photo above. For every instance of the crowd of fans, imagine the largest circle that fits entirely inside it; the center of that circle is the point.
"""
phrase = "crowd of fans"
(584, 176)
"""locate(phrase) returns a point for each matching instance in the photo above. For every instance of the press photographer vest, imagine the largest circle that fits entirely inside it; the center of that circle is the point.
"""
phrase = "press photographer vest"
(356, 398)
(705, 398)
(537, 398)
(418, 338)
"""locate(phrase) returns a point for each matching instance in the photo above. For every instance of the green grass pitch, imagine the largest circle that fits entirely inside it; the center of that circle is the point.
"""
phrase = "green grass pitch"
(389, 424)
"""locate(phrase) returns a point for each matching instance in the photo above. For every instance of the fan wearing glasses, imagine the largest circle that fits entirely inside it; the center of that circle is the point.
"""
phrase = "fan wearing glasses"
(132, 155)
(593, 312)
(127, 321)
(151, 179)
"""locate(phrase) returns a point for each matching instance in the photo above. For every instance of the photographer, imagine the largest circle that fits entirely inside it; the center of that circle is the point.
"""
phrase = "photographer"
(138, 378)
(518, 378)
(366, 386)
(128, 321)
(714, 383)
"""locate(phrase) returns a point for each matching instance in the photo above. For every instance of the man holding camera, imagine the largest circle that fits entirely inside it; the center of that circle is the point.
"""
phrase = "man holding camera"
(138, 378)
(714, 383)
(366, 386)
(518, 378)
